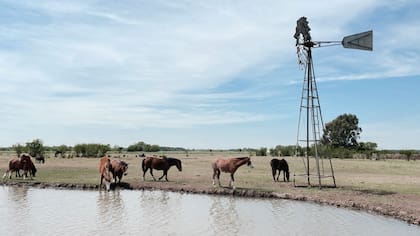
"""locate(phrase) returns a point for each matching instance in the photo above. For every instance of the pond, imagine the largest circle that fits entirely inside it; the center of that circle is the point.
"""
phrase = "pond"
(32, 211)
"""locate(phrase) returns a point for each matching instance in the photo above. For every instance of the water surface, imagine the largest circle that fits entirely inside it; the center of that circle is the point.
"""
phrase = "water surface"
(31, 211)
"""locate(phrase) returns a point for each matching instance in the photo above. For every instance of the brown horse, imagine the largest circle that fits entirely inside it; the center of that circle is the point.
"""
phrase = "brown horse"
(229, 166)
(28, 166)
(104, 170)
(24, 163)
(163, 163)
(118, 169)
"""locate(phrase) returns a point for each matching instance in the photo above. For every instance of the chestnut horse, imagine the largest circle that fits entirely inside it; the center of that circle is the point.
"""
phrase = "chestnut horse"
(163, 163)
(229, 166)
(104, 170)
(118, 169)
(280, 165)
(24, 163)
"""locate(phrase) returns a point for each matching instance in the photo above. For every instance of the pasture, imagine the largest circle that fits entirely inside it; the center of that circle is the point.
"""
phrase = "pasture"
(387, 176)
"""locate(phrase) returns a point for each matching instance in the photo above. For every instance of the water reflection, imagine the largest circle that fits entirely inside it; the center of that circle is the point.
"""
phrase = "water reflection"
(111, 210)
(224, 216)
(26, 211)
(17, 207)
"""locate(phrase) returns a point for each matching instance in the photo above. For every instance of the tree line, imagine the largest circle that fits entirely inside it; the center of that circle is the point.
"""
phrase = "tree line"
(340, 140)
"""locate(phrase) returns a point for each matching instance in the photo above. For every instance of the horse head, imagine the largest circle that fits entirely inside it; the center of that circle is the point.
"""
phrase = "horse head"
(124, 167)
(249, 163)
(179, 165)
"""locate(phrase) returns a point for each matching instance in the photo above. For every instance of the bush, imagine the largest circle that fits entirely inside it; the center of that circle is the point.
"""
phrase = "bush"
(91, 150)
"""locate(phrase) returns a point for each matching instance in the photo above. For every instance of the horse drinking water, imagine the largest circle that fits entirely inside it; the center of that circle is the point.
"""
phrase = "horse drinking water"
(163, 163)
(229, 166)
(104, 170)
(280, 165)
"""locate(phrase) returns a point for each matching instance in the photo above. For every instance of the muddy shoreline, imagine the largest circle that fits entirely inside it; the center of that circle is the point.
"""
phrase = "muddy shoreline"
(249, 193)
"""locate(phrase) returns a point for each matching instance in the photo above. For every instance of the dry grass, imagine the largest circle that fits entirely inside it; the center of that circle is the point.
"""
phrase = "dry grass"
(393, 176)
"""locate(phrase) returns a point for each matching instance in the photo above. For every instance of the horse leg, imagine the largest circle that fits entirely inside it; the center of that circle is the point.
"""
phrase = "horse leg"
(218, 177)
(164, 173)
(274, 173)
(214, 175)
(151, 172)
(100, 184)
(284, 176)
(278, 175)
(5, 174)
(144, 174)
(231, 182)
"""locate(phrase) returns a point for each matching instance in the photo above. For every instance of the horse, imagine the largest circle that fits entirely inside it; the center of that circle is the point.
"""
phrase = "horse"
(40, 158)
(280, 165)
(104, 170)
(118, 168)
(15, 165)
(28, 166)
(163, 163)
(229, 166)
(24, 163)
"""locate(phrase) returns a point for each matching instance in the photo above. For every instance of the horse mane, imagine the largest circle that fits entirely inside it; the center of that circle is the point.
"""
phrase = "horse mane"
(241, 158)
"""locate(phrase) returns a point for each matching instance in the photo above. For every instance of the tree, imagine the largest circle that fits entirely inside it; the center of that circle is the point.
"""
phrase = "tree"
(35, 148)
(261, 152)
(19, 149)
(343, 131)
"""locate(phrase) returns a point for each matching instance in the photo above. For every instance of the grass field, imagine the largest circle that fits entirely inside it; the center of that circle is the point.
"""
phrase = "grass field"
(384, 176)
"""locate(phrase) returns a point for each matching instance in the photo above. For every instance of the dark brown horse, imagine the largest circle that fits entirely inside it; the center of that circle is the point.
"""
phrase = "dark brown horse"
(229, 166)
(104, 170)
(163, 163)
(24, 163)
(118, 169)
(280, 165)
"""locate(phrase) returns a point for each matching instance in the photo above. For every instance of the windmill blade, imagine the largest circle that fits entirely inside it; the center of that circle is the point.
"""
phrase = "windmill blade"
(362, 41)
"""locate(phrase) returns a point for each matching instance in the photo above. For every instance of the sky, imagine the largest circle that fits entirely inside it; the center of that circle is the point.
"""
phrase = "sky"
(202, 74)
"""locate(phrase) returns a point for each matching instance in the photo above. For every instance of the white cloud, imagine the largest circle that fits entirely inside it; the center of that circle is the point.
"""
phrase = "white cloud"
(136, 64)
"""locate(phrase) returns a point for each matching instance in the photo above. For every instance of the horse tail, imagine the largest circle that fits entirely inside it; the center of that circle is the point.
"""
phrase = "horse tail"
(143, 164)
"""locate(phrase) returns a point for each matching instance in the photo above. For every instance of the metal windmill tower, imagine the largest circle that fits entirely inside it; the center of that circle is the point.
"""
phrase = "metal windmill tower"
(310, 108)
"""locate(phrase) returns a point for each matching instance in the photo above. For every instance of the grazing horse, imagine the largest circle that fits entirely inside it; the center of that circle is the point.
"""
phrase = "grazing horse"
(24, 163)
(40, 158)
(280, 165)
(229, 166)
(118, 169)
(28, 166)
(163, 163)
(104, 170)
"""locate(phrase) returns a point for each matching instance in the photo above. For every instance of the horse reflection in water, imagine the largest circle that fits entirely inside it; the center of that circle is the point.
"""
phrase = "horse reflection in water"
(111, 211)
(224, 217)
(163, 163)
(229, 166)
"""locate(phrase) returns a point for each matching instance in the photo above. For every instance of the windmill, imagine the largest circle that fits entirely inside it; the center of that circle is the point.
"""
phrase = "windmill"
(310, 108)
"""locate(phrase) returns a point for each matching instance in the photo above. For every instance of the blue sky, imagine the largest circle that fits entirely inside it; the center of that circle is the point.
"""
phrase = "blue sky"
(201, 74)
